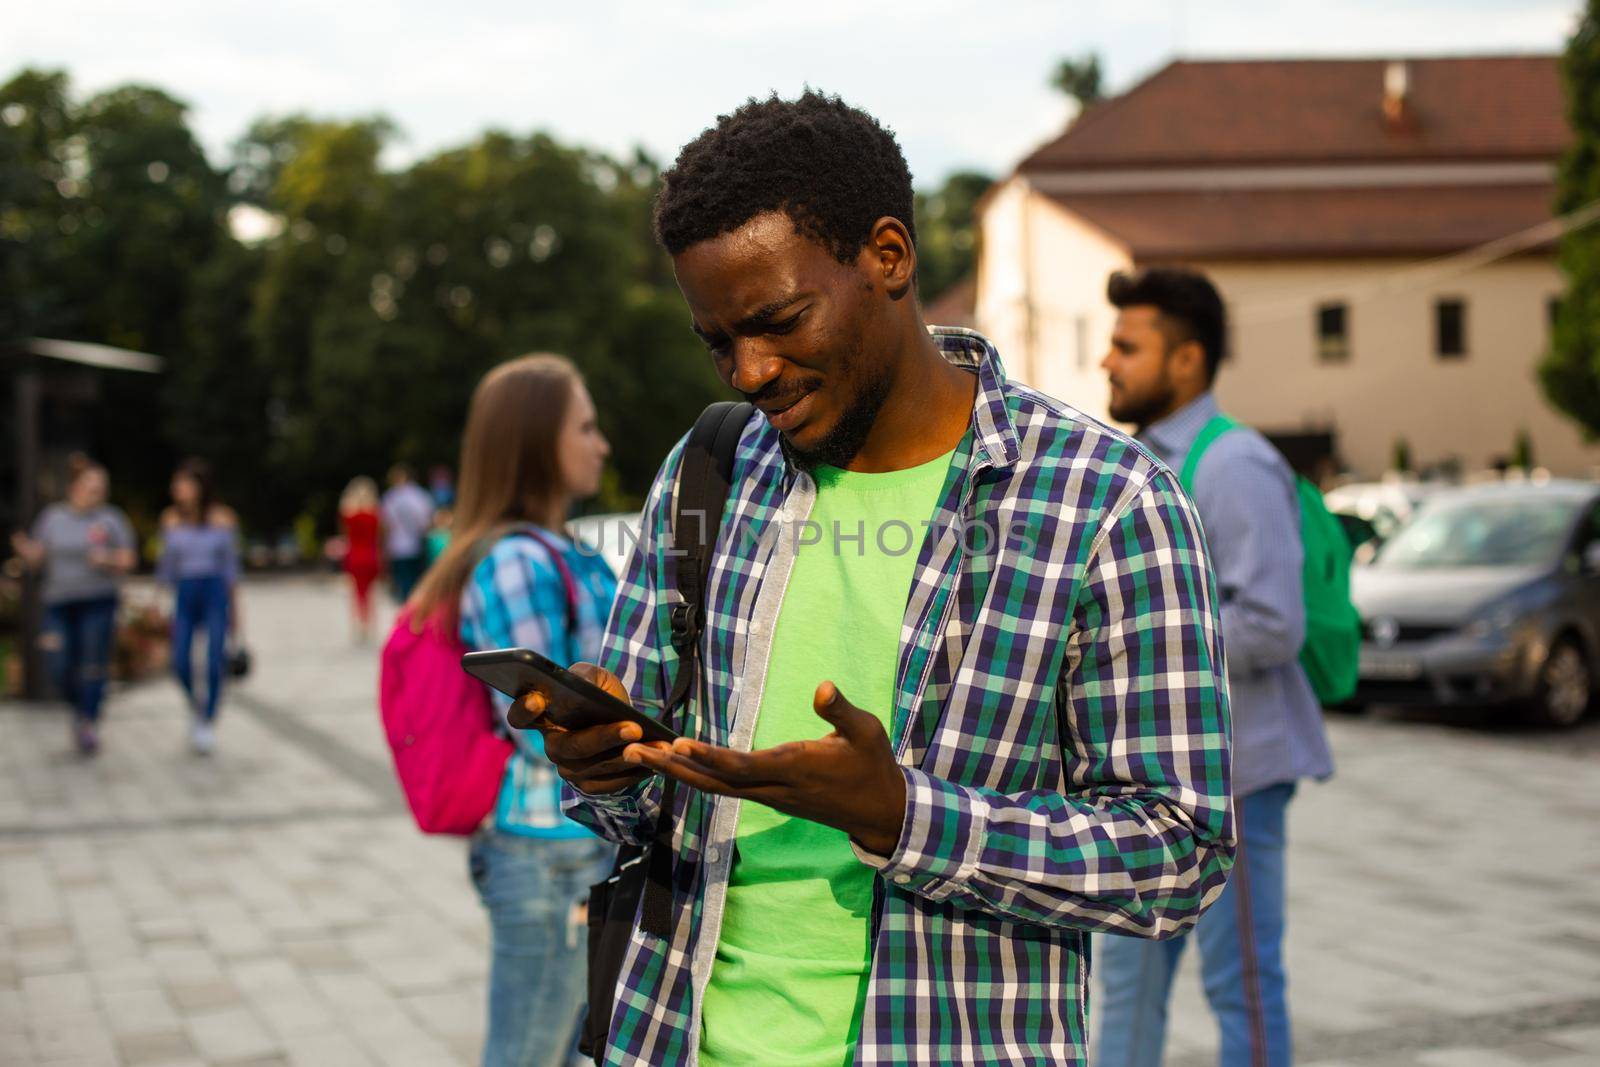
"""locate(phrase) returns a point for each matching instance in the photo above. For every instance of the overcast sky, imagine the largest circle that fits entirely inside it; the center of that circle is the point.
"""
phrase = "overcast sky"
(963, 84)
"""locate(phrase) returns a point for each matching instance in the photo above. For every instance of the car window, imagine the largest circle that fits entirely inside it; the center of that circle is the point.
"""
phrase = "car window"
(1507, 532)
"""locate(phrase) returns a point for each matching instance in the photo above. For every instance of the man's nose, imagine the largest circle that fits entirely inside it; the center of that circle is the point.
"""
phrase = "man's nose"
(754, 367)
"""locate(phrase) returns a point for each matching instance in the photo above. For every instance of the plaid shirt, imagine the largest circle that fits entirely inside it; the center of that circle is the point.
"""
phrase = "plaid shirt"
(1061, 719)
(515, 598)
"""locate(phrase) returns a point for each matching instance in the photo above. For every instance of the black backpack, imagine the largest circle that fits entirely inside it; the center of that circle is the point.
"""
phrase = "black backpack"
(640, 884)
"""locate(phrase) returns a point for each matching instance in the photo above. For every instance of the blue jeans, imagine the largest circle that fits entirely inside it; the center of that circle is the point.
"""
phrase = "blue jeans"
(80, 653)
(1241, 959)
(202, 605)
(532, 888)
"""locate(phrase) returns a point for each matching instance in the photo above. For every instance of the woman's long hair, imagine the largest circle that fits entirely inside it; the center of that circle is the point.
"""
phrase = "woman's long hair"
(198, 471)
(510, 471)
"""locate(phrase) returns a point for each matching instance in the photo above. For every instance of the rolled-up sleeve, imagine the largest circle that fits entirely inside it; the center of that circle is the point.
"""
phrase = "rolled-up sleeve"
(1140, 837)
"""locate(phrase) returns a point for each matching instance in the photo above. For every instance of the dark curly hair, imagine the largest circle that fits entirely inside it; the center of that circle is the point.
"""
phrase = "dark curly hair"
(830, 167)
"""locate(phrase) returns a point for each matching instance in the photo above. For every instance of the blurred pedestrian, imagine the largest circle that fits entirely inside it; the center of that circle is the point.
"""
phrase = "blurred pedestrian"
(84, 545)
(441, 486)
(358, 520)
(439, 534)
(514, 578)
(407, 512)
(200, 559)
(1169, 338)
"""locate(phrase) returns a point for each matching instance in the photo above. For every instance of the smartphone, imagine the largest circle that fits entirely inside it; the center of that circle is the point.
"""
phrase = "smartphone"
(574, 703)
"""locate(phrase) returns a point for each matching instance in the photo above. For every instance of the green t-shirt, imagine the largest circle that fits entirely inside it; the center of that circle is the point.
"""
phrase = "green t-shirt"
(791, 969)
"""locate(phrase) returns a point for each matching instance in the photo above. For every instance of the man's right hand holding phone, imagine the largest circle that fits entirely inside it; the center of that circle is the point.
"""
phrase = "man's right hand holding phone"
(589, 759)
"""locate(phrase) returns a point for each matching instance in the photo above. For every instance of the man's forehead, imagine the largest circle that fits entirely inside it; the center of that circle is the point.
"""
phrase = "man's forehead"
(748, 270)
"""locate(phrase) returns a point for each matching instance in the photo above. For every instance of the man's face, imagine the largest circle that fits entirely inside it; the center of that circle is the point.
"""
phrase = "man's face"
(800, 334)
(1138, 368)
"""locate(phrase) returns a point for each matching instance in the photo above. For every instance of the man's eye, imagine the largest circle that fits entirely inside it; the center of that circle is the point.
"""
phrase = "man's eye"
(787, 326)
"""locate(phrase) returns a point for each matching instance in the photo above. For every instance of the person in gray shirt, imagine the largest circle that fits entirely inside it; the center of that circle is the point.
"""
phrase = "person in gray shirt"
(84, 546)
(1169, 337)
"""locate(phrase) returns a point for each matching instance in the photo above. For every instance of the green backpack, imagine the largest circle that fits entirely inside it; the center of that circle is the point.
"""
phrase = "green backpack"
(1332, 649)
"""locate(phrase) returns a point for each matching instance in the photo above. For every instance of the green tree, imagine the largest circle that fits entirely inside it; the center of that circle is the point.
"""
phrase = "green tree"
(106, 208)
(1570, 372)
(1080, 79)
(947, 244)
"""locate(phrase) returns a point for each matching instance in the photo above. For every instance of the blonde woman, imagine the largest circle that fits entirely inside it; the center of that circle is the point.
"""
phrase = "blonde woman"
(358, 520)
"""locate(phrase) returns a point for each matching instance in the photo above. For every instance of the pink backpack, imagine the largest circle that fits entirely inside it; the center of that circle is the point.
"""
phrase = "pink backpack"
(440, 726)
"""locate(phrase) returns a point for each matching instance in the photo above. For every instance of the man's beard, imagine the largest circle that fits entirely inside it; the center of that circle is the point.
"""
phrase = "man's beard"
(840, 445)
(1141, 411)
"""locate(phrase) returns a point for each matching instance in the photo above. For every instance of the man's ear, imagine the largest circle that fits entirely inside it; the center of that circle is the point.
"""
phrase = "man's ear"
(1189, 360)
(891, 255)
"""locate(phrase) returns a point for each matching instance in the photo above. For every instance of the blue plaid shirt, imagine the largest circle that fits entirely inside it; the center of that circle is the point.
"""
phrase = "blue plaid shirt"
(1061, 720)
(515, 598)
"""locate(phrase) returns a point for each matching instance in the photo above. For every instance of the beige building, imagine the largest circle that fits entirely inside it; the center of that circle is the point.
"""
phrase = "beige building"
(1381, 231)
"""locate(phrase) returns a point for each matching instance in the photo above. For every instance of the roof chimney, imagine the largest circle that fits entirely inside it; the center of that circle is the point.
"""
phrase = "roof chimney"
(1396, 85)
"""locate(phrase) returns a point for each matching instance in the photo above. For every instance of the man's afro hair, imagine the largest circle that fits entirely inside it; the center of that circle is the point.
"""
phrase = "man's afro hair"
(830, 167)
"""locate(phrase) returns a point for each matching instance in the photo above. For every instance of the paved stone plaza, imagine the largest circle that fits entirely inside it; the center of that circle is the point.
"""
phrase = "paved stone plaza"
(274, 904)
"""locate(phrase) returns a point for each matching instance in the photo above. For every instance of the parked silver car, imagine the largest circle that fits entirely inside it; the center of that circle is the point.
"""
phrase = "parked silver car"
(1489, 595)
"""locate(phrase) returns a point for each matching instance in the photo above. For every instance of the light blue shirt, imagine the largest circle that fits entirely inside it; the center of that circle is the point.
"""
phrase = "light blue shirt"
(1245, 493)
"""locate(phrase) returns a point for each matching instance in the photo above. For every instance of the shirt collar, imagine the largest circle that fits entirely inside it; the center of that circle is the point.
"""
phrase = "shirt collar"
(1174, 435)
(994, 433)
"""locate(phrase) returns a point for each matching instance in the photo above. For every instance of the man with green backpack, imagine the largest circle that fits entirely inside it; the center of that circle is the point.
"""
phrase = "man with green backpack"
(1291, 638)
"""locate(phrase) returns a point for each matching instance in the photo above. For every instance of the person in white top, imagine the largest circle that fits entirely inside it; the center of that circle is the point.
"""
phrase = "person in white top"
(407, 512)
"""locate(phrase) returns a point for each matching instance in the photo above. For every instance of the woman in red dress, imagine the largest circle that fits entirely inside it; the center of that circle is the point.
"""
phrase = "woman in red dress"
(358, 515)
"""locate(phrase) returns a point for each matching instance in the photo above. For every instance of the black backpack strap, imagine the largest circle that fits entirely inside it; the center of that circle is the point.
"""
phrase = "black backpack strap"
(705, 476)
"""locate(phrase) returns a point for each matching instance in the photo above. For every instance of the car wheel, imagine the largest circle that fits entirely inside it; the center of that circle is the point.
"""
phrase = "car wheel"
(1566, 686)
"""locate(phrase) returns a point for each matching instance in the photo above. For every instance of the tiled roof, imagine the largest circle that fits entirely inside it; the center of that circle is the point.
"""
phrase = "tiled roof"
(1233, 112)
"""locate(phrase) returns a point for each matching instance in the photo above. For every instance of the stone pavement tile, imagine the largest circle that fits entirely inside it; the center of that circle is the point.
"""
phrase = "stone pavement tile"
(448, 1013)
(1580, 1038)
(352, 990)
(398, 1041)
(266, 977)
(231, 1034)
(184, 963)
(312, 956)
(57, 959)
(154, 1049)
(125, 975)
(289, 1014)
(199, 997)
(1466, 1057)
(70, 1037)
(324, 1049)
(53, 995)
(51, 936)
(1538, 1051)
(13, 1015)
(138, 1012)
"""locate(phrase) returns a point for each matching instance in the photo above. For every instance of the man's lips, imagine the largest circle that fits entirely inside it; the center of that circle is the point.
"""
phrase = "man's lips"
(791, 414)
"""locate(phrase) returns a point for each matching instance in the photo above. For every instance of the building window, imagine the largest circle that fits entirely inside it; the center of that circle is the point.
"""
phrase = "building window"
(1333, 333)
(1450, 328)
(1080, 333)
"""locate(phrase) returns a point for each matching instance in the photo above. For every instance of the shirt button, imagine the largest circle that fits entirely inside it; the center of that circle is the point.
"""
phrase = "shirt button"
(714, 854)
(902, 879)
